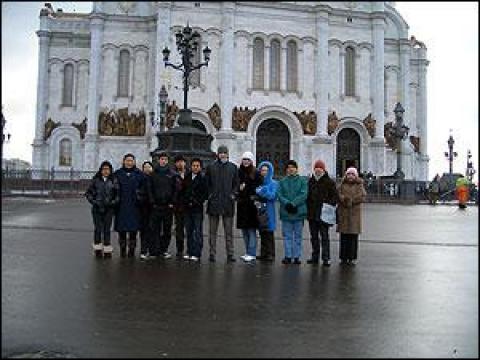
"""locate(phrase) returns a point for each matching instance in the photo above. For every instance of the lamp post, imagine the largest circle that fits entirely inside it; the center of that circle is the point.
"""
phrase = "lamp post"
(184, 139)
(470, 170)
(450, 155)
(5, 137)
(399, 132)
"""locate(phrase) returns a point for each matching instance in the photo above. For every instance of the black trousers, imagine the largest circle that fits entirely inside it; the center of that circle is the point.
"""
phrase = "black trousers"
(267, 244)
(315, 228)
(132, 239)
(180, 231)
(102, 222)
(348, 246)
(162, 220)
(146, 240)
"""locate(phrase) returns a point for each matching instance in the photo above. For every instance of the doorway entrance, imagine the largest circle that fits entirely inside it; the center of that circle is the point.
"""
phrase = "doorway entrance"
(273, 144)
(348, 151)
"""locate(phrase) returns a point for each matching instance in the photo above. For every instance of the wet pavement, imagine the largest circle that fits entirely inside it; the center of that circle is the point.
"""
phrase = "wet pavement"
(413, 293)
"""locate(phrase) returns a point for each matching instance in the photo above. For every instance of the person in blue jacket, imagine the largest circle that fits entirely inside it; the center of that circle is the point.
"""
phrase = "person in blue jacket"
(127, 217)
(267, 194)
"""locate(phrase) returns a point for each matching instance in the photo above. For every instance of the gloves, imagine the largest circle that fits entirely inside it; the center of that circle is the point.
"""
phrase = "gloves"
(291, 209)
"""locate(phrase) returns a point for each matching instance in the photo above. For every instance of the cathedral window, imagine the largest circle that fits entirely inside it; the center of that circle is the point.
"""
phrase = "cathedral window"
(65, 158)
(292, 66)
(275, 65)
(124, 73)
(258, 63)
(195, 75)
(67, 85)
(349, 71)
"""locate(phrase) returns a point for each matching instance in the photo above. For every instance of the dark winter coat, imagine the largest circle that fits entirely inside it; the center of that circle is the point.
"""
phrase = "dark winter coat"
(195, 193)
(103, 194)
(222, 182)
(349, 211)
(180, 189)
(143, 201)
(267, 192)
(293, 190)
(246, 210)
(127, 217)
(320, 191)
(163, 189)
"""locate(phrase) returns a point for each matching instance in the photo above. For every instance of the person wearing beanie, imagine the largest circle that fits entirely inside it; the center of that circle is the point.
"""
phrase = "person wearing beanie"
(292, 194)
(321, 190)
(222, 180)
(103, 194)
(249, 179)
(351, 194)
(127, 217)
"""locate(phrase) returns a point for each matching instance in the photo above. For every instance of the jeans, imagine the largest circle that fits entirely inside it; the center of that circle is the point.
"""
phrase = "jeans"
(292, 238)
(315, 227)
(194, 227)
(250, 239)
(162, 220)
(180, 232)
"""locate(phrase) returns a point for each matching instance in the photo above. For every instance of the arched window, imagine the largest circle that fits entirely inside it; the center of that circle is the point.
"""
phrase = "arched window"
(65, 152)
(124, 73)
(275, 65)
(195, 75)
(292, 66)
(68, 85)
(349, 71)
(258, 63)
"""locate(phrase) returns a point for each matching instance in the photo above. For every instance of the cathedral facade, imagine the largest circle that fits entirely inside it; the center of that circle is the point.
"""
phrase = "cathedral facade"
(286, 80)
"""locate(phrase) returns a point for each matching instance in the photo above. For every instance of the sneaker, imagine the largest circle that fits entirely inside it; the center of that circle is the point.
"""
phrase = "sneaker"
(297, 261)
(211, 258)
(143, 256)
(326, 263)
(231, 259)
(249, 258)
(312, 261)
(167, 255)
(286, 261)
(353, 262)
(194, 258)
(186, 257)
(244, 257)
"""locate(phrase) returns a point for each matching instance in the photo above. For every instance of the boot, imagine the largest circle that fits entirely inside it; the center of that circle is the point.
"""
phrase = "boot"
(123, 251)
(287, 261)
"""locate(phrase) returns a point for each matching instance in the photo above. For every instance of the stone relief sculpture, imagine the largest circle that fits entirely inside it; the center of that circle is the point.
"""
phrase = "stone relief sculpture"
(415, 140)
(215, 115)
(121, 123)
(308, 121)
(333, 123)
(82, 128)
(50, 125)
(388, 134)
(172, 111)
(241, 117)
(370, 124)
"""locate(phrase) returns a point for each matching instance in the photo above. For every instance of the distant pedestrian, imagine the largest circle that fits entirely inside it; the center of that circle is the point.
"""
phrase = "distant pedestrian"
(162, 196)
(462, 191)
(103, 194)
(195, 194)
(321, 190)
(292, 194)
(267, 194)
(222, 180)
(351, 195)
(434, 190)
(127, 217)
(178, 209)
(249, 179)
(145, 207)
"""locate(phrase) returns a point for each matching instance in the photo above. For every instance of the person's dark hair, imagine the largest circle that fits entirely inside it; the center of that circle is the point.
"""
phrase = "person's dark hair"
(128, 155)
(197, 160)
(292, 163)
(178, 158)
(147, 162)
(104, 163)
(162, 154)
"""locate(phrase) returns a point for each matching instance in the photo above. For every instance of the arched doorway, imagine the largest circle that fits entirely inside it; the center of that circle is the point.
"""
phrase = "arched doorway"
(273, 144)
(348, 150)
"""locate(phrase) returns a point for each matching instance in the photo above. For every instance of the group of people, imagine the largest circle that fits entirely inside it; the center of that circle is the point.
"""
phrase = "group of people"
(150, 200)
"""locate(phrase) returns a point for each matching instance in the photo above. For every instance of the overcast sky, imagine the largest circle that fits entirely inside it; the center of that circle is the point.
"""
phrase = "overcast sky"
(449, 30)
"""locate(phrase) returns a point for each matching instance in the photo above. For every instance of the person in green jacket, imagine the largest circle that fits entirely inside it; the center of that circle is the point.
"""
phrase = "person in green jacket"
(292, 194)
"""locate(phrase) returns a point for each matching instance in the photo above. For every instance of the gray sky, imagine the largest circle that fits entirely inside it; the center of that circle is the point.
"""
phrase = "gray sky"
(449, 30)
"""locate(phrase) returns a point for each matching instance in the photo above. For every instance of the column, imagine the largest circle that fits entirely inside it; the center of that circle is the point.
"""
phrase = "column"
(227, 64)
(266, 68)
(249, 66)
(405, 84)
(321, 73)
(378, 66)
(283, 69)
(422, 103)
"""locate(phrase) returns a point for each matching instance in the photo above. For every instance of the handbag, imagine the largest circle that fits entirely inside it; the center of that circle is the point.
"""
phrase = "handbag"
(262, 215)
(329, 214)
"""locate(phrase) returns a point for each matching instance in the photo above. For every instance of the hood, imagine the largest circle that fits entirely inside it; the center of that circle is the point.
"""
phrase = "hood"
(270, 170)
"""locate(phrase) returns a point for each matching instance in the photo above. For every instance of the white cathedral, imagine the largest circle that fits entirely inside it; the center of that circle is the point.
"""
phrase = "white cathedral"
(286, 80)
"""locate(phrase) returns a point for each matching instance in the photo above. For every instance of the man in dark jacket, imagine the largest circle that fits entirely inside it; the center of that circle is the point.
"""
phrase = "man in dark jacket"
(162, 195)
(103, 194)
(222, 181)
(195, 194)
(321, 189)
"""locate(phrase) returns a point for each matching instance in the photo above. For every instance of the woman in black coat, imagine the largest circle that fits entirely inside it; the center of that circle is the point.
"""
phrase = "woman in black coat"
(127, 217)
(249, 179)
(103, 194)
(145, 207)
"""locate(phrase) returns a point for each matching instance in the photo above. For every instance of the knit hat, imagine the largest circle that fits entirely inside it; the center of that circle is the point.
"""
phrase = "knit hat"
(222, 149)
(319, 164)
(352, 170)
(248, 155)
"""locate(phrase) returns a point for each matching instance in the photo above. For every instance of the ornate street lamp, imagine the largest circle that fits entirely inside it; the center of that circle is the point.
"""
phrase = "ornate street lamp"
(5, 137)
(450, 155)
(470, 170)
(184, 139)
(399, 132)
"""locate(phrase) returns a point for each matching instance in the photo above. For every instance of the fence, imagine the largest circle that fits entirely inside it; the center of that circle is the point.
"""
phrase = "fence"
(57, 183)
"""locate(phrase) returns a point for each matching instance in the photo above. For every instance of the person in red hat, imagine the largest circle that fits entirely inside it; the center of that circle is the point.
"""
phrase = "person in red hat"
(321, 190)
